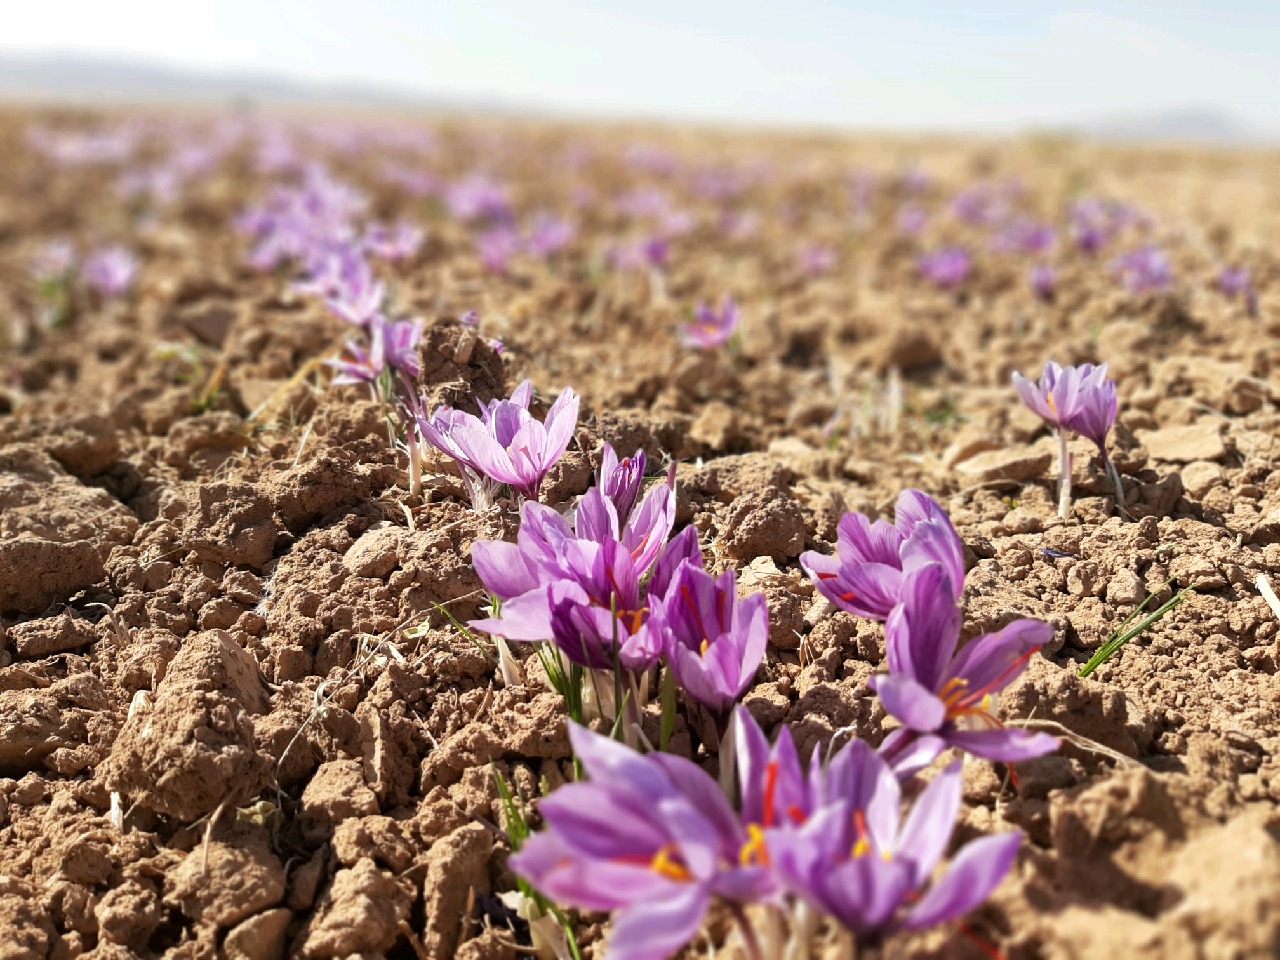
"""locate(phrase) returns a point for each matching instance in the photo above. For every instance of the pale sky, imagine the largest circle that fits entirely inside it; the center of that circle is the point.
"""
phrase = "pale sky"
(896, 65)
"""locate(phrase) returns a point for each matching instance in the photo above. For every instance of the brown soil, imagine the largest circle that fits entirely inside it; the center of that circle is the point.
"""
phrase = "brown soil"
(235, 722)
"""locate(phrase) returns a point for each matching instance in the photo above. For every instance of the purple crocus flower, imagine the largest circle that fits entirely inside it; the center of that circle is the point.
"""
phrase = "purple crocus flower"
(710, 328)
(1043, 279)
(1144, 270)
(110, 271)
(816, 259)
(363, 364)
(982, 204)
(548, 235)
(506, 444)
(496, 247)
(596, 614)
(715, 642)
(53, 261)
(1238, 282)
(342, 275)
(581, 586)
(940, 696)
(1026, 236)
(638, 255)
(620, 480)
(477, 197)
(946, 268)
(1095, 220)
(401, 339)
(911, 220)
(651, 837)
(865, 576)
(865, 867)
(1080, 398)
(398, 242)
(509, 570)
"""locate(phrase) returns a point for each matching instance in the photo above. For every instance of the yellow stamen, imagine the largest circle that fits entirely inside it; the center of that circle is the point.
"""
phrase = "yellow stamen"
(754, 850)
(633, 618)
(952, 692)
(702, 650)
(665, 864)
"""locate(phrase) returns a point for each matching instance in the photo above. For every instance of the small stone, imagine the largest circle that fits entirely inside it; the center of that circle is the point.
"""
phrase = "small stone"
(1022, 520)
(1016, 463)
(337, 791)
(259, 938)
(1197, 572)
(717, 426)
(766, 523)
(40, 638)
(1200, 476)
(225, 882)
(1125, 588)
(969, 442)
(374, 554)
(1183, 444)
(1082, 579)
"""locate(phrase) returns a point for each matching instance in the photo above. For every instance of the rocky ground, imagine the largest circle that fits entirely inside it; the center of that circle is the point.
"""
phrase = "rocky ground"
(236, 719)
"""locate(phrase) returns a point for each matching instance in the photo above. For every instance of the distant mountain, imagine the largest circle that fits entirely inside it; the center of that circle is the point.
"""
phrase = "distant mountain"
(1189, 124)
(69, 79)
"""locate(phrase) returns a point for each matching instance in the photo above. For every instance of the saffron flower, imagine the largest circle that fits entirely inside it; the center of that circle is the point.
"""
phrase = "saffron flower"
(496, 247)
(941, 696)
(715, 642)
(53, 262)
(110, 271)
(620, 480)
(865, 867)
(650, 253)
(362, 364)
(393, 345)
(581, 587)
(710, 328)
(597, 616)
(538, 555)
(477, 197)
(506, 444)
(1024, 235)
(946, 268)
(651, 837)
(1144, 270)
(1043, 279)
(548, 235)
(865, 576)
(393, 243)
(816, 259)
(1238, 282)
(345, 279)
(911, 219)
(1080, 399)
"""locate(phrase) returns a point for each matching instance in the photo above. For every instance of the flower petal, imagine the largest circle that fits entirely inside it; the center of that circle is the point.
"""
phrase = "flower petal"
(912, 704)
(975, 872)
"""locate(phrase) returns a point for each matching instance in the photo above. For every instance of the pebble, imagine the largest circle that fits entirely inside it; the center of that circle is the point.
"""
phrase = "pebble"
(1016, 463)
(1184, 444)
(1200, 476)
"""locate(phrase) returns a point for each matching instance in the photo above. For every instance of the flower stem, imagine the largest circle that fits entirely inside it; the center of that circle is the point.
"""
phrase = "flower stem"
(1064, 476)
(749, 939)
(668, 695)
(415, 463)
(1115, 480)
